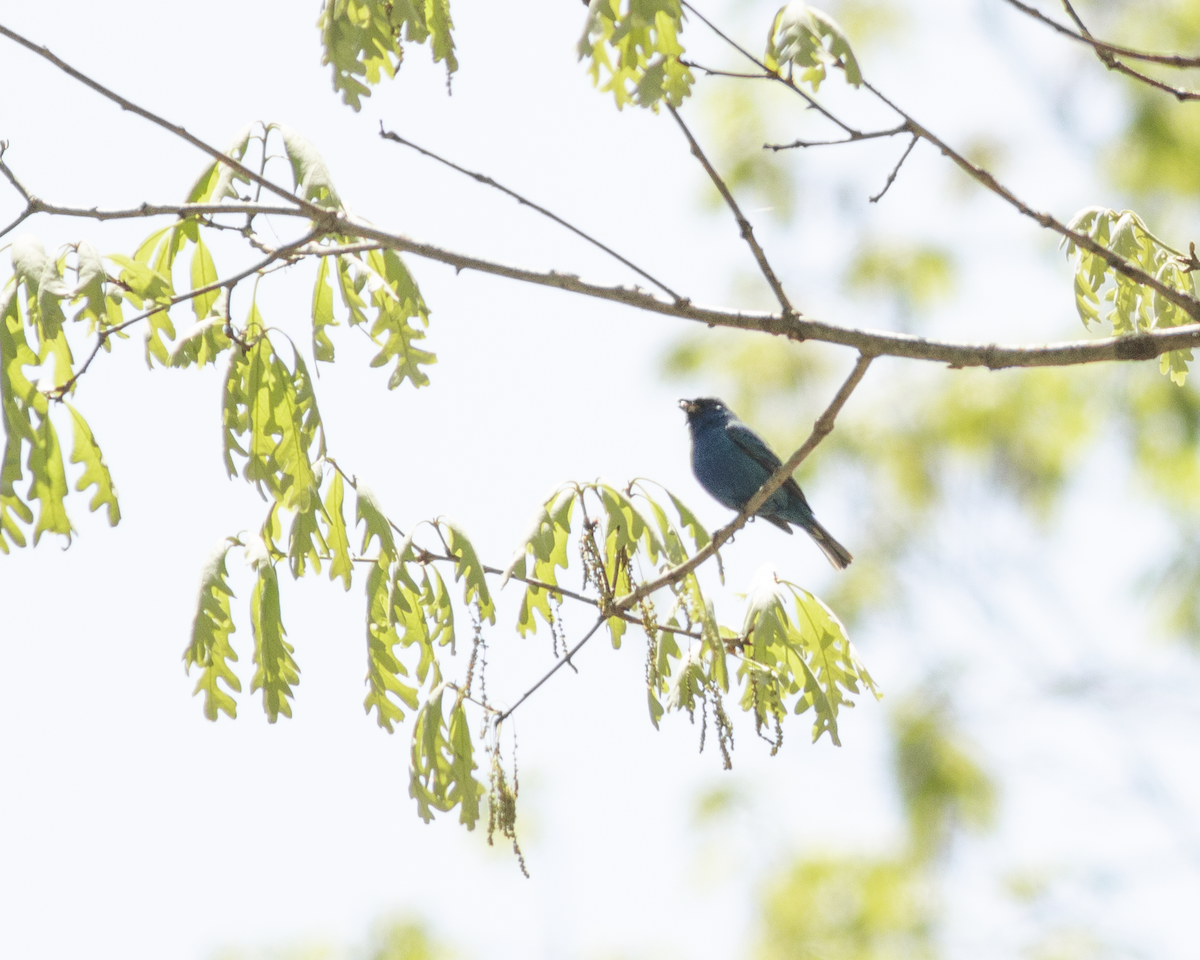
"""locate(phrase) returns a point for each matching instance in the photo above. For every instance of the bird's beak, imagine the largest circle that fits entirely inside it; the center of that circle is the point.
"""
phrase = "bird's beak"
(688, 406)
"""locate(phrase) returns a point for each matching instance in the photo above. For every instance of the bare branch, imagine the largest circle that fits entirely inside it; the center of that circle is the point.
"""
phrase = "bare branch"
(553, 670)
(1140, 346)
(1166, 59)
(314, 211)
(1189, 304)
(743, 223)
(488, 181)
(854, 137)
(821, 429)
(895, 170)
(1109, 60)
(1186, 302)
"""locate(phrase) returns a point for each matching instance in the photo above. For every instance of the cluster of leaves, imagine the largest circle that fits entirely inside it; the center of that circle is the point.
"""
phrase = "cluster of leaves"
(33, 334)
(363, 38)
(801, 663)
(1135, 308)
(809, 40)
(635, 45)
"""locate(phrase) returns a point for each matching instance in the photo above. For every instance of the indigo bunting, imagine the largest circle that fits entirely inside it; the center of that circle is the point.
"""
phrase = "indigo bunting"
(731, 462)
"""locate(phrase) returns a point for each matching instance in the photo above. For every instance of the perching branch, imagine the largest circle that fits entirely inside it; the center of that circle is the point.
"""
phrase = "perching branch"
(488, 181)
(743, 223)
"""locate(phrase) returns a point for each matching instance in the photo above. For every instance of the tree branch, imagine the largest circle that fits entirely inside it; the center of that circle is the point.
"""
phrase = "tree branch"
(1139, 346)
(1166, 59)
(743, 223)
(488, 181)
(895, 170)
(1109, 60)
(105, 333)
(854, 137)
(314, 211)
(553, 670)
(1189, 304)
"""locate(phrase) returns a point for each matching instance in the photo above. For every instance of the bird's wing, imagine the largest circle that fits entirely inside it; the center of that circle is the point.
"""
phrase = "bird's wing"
(757, 449)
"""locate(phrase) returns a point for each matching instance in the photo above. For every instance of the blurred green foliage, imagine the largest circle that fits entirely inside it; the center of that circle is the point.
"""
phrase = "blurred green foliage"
(941, 783)
(914, 275)
(859, 907)
(849, 909)
(1157, 155)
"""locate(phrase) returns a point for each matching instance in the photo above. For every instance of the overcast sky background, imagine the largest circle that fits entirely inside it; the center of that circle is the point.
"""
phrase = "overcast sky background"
(130, 827)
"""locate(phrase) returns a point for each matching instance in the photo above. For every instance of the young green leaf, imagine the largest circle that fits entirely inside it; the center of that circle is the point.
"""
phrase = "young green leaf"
(397, 300)
(275, 671)
(87, 452)
(635, 44)
(216, 183)
(368, 511)
(210, 649)
(336, 538)
(12, 509)
(322, 313)
(362, 39)
(275, 410)
(384, 669)
(804, 37)
(468, 569)
(441, 770)
(312, 179)
(49, 486)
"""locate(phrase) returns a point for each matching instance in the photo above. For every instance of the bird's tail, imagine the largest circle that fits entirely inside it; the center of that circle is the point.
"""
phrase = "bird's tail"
(838, 555)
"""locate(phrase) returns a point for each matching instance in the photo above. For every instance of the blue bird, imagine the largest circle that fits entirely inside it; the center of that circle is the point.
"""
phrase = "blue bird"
(731, 462)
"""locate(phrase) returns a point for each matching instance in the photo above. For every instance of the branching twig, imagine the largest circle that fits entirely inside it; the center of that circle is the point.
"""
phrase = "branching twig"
(105, 333)
(770, 74)
(895, 170)
(553, 670)
(1189, 304)
(854, 137)
(488, 181)
(743, 223)
(315, 212)
(1107, 57)
(1166, 59)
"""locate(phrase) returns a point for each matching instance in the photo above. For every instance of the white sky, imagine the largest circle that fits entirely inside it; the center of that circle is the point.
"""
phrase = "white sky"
(130, 827)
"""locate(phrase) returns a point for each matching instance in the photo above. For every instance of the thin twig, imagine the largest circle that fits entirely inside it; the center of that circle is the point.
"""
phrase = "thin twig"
(1107, 57)
(895, 170)
(488, 181)
(712, 72)
(103, 335)
(854, 137)
(315, 212)
(1166, 59)
(1189, 304)
(821, 429)
(553, 670)
(779, 78)
(743, 223)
